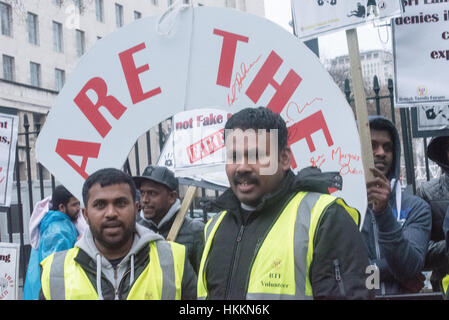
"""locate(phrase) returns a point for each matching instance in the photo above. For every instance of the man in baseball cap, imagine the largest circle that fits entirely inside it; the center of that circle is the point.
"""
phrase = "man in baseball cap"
(159, 205)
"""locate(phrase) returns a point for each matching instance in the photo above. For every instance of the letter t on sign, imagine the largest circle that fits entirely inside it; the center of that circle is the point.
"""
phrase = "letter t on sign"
(227, 56)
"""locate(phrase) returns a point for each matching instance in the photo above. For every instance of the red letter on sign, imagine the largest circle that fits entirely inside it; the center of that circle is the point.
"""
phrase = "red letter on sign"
(227, 56)
(132, 75)
(305, 128)
(77, 148)
(90, 110)
(265, 77)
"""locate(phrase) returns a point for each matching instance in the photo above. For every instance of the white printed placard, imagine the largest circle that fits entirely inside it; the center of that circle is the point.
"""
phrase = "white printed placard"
(316, 17)
(8, 141)
(9, 270)
(421, 54)
(207, 57)
(195, 148)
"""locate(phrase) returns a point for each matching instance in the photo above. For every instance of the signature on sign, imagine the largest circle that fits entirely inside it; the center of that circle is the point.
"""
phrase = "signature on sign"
(238, 81)
(346, 161)
(297, 109)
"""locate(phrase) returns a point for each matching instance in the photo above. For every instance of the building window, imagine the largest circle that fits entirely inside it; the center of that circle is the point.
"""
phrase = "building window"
(35, 73)
(32, 24)
(118, 15)
(137, 15)
(8, 68)
(58, 43)
(57, 2)
(6, 19)
(170, 2)
(154, 2)
(78, 6)
(99, 9)
(80, 42)
(59, 79)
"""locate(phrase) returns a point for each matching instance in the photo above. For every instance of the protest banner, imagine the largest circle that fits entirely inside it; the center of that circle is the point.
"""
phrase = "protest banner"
(9, 271)
(421, 54)
(8, 141)
(430, 121)
(317, 17)
(196, 58)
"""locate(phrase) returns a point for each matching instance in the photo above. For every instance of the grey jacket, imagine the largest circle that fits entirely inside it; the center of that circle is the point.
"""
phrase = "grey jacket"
(397, 243)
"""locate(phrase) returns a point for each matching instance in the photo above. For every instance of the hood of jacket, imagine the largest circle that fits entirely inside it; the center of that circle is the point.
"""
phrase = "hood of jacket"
(383, 123)
(142, 236)
(308, 179)
(165, 220)
(436, 151)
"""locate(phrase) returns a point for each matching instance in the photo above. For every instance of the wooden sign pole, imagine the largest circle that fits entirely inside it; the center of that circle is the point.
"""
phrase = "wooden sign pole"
(190, 194)
(360, 102)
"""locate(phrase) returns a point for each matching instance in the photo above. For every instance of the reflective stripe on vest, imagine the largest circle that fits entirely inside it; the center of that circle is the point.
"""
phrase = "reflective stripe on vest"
(288, 246)
(445, 285)
(63, 278)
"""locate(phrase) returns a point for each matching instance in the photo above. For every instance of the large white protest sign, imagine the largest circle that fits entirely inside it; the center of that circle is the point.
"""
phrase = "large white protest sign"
(316, 17)
(421, 54)
(9, 271)
(8, 142)
(207, 57)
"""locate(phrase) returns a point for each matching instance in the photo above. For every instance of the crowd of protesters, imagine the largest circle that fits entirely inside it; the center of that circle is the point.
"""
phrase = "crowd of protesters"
(277, 236)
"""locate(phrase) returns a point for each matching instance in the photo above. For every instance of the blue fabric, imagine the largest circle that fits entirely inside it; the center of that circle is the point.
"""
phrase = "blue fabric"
(57, 233)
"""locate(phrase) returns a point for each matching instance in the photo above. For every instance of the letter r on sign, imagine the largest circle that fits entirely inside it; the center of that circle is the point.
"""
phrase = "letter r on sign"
(90, 109)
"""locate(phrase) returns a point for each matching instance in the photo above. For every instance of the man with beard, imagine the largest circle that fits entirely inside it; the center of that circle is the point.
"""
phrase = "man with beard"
(53, 230)
(160, 205)
(397, 225)
(115, 258)
(279, 235)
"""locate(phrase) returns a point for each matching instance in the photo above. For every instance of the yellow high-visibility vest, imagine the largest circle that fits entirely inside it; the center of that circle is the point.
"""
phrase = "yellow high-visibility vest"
(64, 279)
(445, 285)
(281, 267)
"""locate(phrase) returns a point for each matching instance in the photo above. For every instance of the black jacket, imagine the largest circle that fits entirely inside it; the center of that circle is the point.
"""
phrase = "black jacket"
(191, 235)
(233, 248)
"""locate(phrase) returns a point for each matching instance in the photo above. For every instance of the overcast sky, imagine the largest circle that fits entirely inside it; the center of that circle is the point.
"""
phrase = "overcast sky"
(334, 44)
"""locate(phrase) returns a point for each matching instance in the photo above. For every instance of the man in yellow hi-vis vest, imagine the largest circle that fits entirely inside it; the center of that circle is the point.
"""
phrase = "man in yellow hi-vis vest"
(279, 235)
(115, 258)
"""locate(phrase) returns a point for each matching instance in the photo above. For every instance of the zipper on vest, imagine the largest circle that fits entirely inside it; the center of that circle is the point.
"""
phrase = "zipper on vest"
(234, 257)
(120, 284)
(338, 278)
